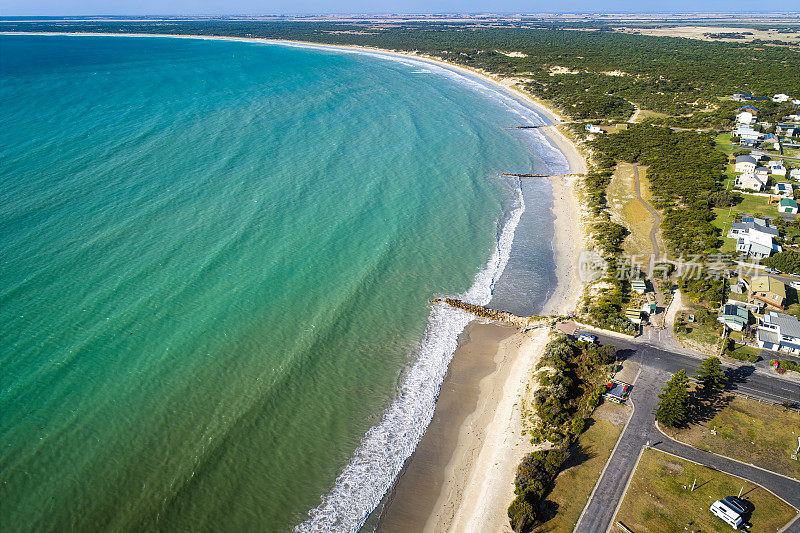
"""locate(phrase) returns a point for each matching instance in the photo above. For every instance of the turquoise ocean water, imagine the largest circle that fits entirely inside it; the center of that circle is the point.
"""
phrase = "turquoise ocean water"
(215, 265)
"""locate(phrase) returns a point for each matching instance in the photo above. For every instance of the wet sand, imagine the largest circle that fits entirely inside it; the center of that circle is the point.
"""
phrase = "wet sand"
(419, 485)
(460, 477)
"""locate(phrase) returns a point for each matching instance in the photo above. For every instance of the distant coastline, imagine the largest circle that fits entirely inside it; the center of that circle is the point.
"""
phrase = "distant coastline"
(486, 441)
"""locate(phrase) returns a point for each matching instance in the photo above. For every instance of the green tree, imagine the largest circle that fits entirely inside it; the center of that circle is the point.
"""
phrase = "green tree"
(674, 402)
(710, 375)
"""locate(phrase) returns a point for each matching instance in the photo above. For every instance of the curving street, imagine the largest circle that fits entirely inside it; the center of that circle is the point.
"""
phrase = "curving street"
(656, 367)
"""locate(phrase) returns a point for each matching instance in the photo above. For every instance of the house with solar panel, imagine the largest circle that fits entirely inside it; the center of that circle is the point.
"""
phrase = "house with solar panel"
(734, 316)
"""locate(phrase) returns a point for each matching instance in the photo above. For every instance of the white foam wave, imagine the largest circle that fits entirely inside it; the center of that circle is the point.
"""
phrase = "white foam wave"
(379, 458)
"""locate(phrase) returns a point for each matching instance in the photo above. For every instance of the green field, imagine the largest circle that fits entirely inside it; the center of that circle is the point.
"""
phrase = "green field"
(751, 431)
(659, 499)
(723, 141)
(702, 337)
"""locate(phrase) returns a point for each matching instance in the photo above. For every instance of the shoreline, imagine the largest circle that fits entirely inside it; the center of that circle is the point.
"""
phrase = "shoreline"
(460, 475)
(566, 205)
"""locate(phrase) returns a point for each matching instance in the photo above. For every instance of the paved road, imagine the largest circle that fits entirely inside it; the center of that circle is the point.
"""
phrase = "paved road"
(744, 377)
(657, 366)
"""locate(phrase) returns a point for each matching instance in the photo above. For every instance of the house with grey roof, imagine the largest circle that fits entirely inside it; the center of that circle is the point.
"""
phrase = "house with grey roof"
(749, 224)
(757, 245)
(745, 163)
(754, 237)
(747, 133)
(779, 332)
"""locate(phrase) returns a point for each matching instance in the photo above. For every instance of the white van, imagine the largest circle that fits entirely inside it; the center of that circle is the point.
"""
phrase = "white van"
(729, 511)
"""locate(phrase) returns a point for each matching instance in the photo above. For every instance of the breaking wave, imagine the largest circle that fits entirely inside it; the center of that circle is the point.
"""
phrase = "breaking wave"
(384, 449)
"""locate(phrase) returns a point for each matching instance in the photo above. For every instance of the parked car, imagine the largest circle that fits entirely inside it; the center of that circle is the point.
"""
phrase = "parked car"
(691, 317)
(587, 337)
(771, 271)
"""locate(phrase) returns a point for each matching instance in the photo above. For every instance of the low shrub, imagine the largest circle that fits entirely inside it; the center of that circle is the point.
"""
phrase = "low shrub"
(786, 364)
(747, 357)
(534, 477)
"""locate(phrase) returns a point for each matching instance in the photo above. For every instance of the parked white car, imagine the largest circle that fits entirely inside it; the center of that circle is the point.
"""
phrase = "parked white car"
(587, 337)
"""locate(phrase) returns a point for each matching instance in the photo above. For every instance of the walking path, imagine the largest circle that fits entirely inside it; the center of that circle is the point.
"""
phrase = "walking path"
(653, 213)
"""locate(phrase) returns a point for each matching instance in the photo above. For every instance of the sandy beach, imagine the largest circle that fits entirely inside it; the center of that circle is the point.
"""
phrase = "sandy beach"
(460, 478)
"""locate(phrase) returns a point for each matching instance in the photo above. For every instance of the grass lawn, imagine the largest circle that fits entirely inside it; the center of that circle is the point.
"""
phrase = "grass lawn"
(629, 211)
(756, 205)
(736, 296)
(645, 114)
(656, 499)
(730, 177)
(574, 485)
(754, 432)
(723, 141)
(743, 351)
(703, 337)
(723, 220)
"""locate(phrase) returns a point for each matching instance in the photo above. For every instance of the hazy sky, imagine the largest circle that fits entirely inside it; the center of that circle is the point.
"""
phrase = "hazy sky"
(151, 7)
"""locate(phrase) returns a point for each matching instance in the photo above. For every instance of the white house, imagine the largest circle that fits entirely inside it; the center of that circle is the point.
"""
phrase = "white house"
(783, 188)
(745, 163)
(749, 224)
(754, 237)
(756, 244)
(779, 332)
(780, 98)
(796, 101)
(762, 173)
(591, 128)
(746, 133)
(776, 168)
(748, 180)
(745, 117)
(795, 174)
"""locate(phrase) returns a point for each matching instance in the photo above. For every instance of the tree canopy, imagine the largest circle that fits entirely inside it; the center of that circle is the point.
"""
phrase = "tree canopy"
(710, 375)
(674, 401)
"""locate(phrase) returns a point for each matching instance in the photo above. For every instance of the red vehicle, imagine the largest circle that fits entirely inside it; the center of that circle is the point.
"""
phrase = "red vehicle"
(617, 391)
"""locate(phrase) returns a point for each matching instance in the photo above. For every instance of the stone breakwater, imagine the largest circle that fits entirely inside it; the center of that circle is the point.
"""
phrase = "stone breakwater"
(524, 323)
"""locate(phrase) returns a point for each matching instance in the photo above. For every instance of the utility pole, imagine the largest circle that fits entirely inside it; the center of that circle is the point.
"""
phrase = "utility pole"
(693, 484)
(740, 492)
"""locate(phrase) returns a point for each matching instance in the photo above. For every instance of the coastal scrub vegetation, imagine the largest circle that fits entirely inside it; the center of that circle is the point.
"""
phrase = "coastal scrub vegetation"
(703, 289)
(787, 261)
(685, 172)
(569, 378)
